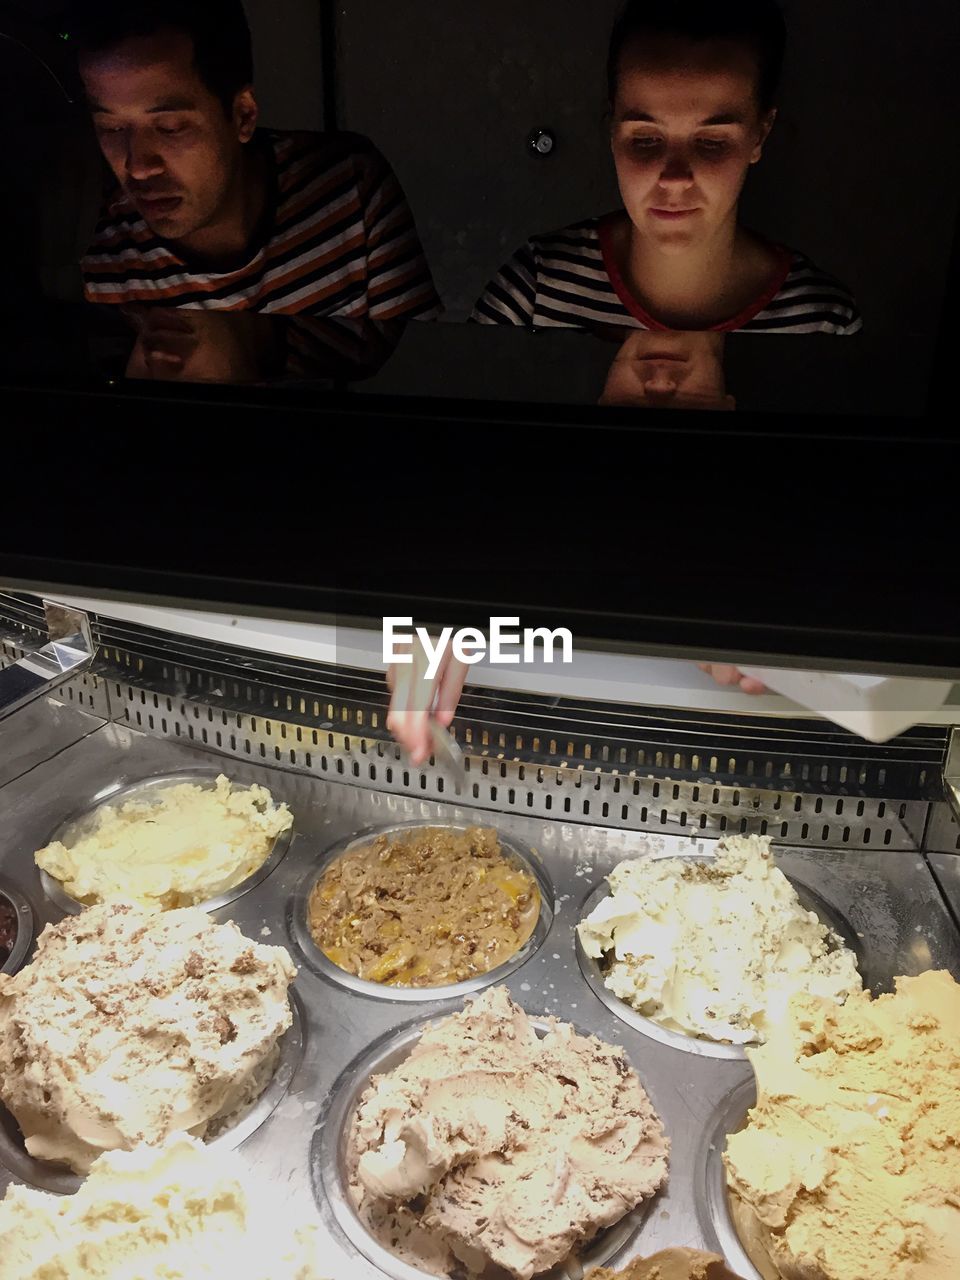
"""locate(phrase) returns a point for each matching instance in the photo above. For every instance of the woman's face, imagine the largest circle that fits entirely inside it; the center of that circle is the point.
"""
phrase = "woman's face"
(686, 129)
(669, 370)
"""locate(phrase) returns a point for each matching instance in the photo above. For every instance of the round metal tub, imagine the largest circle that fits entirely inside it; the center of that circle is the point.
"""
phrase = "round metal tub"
(81, 823)
(325, 968)
(63, 1181)
(593, 972)
(24, 935)
(712, 1194)
(328, 1161)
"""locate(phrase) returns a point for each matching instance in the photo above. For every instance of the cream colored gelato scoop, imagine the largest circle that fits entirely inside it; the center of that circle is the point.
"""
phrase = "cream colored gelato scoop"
(849, 1166)
(180, 1212)
(493, 1145)
(128, 1026)
(714, 948)
(174, 847)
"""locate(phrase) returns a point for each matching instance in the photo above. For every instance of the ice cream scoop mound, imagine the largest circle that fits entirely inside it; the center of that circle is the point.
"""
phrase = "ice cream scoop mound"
(174, 847)
(849, 1167)
(492, 1145)
(714, 948)
(128, 1026)
(671, 1264)
(180, 1212)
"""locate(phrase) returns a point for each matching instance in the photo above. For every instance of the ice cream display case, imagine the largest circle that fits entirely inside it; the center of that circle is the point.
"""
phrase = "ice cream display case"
(645, 976)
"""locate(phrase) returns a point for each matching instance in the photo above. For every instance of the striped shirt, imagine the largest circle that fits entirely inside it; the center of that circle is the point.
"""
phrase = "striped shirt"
(338, 240)
(570, 280)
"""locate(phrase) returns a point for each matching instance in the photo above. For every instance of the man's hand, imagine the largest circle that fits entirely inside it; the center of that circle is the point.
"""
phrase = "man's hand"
(416, 700)
(730, 677)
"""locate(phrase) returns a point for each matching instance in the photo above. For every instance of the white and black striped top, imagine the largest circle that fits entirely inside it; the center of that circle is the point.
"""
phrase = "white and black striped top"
(570, 280)
(339, 241)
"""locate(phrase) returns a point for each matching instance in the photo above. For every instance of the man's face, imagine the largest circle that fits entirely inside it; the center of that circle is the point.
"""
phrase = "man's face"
(686, 129)
(669, 371)
(172, 146)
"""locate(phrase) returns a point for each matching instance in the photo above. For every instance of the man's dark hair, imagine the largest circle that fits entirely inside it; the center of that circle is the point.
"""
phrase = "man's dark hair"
(223, 49)
(757, 24)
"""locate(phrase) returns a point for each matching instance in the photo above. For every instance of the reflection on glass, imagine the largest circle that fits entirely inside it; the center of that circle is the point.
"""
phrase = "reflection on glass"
(186, 345)
(693, 91)
(207, 210)
(661, 370)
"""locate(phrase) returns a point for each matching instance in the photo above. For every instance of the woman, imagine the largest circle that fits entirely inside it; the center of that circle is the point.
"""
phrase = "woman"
(693, 89)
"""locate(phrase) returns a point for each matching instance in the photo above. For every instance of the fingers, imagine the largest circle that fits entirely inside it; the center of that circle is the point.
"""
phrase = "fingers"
(415, 699)
(752, 686)
(409, 716)
(722, 674)
(452, 679)
(730, 677)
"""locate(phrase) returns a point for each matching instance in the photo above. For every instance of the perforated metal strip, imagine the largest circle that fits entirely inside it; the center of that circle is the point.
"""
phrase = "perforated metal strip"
(578, 795)
(87, 691)
(800, 783)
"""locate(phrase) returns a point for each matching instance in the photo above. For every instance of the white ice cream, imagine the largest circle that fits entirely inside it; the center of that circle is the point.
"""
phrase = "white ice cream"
(179, 1212)
(173, 848)
(714, 948)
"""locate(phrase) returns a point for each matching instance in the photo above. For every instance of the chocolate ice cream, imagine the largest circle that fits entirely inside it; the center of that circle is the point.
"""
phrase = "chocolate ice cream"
(129, 1026)
(492, 1145)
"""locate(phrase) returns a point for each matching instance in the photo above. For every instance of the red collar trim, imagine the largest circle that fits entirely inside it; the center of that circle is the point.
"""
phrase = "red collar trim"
(605, 232)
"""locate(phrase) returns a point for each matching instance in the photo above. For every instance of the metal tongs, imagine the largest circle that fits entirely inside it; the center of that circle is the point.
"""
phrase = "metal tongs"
(448, 755)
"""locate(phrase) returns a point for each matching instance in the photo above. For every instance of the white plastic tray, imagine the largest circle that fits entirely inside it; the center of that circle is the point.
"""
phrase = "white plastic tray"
(875, 707)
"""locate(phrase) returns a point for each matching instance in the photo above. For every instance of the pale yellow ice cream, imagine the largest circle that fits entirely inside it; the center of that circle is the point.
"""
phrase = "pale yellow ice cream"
(175, 849)
(849, 1167)
(671, 1264)
(128, 1026)
(489, 1146)
(714, 948)
(182, 1212)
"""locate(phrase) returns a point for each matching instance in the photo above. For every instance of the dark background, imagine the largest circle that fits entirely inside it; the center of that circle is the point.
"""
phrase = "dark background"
(860, 173)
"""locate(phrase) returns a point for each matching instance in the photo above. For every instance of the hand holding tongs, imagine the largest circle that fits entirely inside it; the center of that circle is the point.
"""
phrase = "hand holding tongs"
(448, 755)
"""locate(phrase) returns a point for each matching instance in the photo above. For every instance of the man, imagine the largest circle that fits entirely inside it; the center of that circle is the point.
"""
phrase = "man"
(211, 212)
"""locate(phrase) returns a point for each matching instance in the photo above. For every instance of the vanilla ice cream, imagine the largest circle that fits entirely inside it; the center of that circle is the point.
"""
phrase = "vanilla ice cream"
(671, 1264)
(490, 1145)
(180, 1212)
(173, 848)
(128, 1026)
(714, 948)
(849, 1166)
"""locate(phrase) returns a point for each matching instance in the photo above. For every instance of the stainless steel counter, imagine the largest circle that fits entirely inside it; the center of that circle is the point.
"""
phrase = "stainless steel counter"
(946, 868)
(38, 732)
(889, 899)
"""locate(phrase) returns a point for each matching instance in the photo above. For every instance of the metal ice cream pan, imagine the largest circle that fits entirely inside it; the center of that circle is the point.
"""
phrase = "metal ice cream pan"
(83, 823)
(330, 1178)
(593, 972)
(63, 1181)
(515, 851)
(24, 935)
